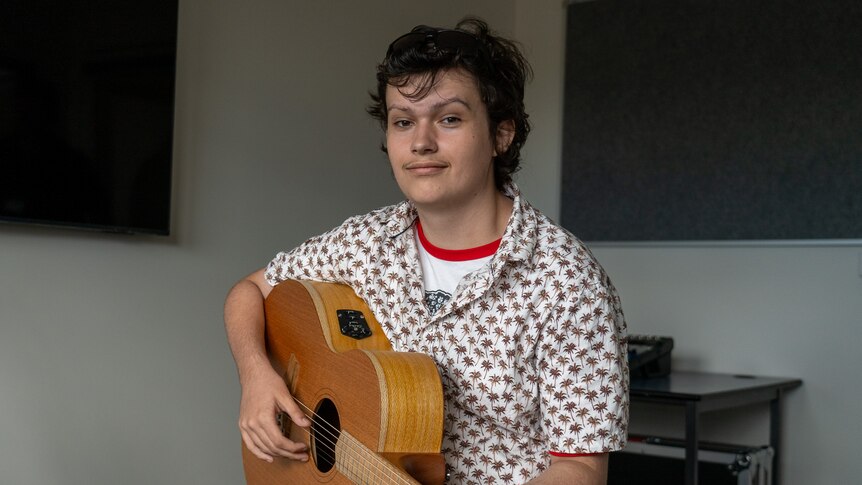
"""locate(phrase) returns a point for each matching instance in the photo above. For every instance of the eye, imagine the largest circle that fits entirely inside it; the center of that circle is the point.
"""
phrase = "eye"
(450, 120)
(401, 123)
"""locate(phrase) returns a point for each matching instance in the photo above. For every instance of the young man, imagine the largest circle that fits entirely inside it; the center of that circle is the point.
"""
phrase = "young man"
(524, 325)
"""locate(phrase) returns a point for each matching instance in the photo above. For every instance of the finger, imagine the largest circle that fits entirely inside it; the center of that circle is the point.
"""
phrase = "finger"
(272, 440)
(252, 446)
(260, 436)
(265, 448)
(296, 414)
(294, 450)
(264, 433)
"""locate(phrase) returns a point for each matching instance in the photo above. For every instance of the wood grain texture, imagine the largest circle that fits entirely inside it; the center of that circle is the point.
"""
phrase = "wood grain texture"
(389, 404)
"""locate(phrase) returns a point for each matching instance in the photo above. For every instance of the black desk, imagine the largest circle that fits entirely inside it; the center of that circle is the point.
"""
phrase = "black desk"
(701, 392)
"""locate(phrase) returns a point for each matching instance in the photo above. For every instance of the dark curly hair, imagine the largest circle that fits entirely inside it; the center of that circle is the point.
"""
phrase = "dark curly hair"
(496, 63)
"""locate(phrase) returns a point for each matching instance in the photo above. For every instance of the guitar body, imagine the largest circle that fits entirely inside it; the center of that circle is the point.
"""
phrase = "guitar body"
(378, 414)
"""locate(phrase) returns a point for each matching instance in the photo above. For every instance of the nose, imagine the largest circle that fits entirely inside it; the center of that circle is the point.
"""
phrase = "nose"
(424, 139)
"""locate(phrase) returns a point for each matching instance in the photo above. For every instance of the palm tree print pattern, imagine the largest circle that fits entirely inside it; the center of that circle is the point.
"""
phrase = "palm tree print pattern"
(531, 350)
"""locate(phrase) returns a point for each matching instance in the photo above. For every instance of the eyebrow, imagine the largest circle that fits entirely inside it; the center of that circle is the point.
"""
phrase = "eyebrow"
(434, 107)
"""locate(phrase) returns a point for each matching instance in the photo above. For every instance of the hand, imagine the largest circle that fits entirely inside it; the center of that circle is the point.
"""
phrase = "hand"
(264, 395)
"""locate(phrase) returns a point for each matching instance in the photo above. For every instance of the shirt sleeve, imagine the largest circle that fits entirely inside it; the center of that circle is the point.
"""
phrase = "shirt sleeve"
(583, 370)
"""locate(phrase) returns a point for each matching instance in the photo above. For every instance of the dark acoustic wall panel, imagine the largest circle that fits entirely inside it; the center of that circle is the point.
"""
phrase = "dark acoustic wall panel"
(713, 120)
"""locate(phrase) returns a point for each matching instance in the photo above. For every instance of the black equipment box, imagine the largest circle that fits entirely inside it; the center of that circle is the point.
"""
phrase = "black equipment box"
(649, 356)
(661, 461)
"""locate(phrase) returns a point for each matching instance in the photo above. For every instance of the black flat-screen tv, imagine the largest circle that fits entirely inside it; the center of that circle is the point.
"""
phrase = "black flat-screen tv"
(86, 113)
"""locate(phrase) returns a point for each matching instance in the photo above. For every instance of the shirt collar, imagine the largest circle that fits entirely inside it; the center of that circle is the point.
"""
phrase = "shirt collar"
(518, 238)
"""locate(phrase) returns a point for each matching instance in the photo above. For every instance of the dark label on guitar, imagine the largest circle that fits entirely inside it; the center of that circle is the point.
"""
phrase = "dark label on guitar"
(353, 324)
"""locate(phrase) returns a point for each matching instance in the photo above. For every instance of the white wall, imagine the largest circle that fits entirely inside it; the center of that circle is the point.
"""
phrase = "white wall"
(113, 363)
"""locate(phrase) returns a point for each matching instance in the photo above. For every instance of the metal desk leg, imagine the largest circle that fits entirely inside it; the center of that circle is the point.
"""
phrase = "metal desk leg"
(691, 439)
(775, 436)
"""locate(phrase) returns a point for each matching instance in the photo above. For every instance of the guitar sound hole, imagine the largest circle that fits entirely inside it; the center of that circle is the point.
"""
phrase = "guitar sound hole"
(325, 430)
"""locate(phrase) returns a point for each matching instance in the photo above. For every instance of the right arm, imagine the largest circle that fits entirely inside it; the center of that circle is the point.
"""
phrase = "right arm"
(264, 393)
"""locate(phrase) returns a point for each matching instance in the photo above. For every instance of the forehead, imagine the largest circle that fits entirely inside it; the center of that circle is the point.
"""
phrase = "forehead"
(421, 89)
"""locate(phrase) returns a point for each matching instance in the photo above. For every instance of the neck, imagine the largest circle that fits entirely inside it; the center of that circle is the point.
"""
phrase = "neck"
(468, 226)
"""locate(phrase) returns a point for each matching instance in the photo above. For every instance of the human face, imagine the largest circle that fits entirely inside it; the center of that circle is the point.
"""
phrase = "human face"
(440, 146)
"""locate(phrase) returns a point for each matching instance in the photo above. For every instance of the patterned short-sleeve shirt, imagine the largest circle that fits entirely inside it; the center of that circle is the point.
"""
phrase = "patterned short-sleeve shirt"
(531, 347)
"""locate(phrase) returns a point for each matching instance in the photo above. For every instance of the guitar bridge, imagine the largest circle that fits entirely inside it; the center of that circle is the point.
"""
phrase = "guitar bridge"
(352, 324)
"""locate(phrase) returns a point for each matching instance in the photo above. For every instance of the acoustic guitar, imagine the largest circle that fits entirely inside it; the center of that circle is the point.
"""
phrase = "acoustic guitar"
(377, 415)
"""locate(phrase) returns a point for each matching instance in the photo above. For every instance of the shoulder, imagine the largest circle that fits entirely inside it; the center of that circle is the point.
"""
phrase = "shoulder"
(329, 256)
(384, 218)
(374, 222)
(562, 256)
(556, 243)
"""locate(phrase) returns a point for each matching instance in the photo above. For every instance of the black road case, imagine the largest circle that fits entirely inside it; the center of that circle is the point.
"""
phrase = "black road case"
(661, 461)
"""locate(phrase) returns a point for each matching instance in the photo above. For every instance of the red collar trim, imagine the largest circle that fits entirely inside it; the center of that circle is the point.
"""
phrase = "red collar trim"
(457, 254)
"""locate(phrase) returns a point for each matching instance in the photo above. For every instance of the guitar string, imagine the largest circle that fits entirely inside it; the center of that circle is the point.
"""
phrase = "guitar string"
(379, 462)
(334, 438)
(375, 466)
(369, 457)
(361, 469)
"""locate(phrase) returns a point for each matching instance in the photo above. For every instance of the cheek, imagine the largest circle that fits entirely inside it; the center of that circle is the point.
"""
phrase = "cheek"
(483, 148)
(394, 144)
(394, 152)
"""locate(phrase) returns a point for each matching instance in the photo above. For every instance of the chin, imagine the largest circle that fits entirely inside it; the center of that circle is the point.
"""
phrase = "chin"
(425, 200)
(423, 195)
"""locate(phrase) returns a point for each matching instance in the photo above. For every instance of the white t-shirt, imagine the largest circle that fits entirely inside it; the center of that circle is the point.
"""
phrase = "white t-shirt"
(443, 269)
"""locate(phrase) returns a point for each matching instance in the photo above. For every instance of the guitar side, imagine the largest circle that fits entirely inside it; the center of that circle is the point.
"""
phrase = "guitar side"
(387, 407)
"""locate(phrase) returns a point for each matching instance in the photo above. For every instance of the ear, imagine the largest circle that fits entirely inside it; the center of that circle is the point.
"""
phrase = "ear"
(505, 135)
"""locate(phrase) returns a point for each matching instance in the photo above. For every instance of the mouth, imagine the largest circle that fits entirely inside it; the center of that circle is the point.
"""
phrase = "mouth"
(426, 167)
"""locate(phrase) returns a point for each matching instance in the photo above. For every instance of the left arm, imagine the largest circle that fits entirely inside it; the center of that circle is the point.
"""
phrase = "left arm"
(579, 470)
(583, 349)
